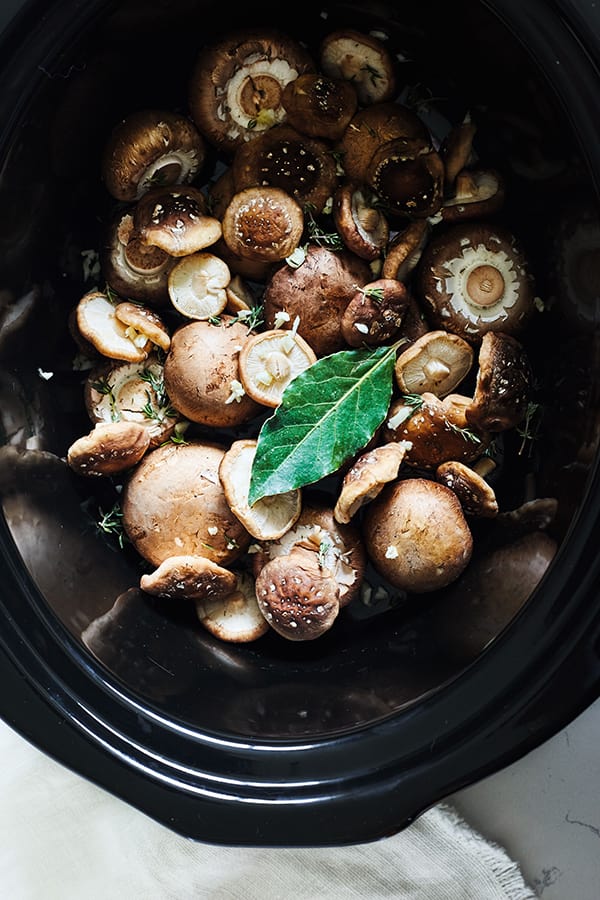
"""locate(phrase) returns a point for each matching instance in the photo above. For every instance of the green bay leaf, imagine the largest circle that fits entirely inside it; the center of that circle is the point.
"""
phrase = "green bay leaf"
(327, 413)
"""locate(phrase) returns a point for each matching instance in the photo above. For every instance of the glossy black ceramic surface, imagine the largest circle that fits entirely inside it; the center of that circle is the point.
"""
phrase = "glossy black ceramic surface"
(347, 738)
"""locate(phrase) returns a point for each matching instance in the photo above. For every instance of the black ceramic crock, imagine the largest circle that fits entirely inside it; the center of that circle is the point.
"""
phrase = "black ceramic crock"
(350, 737)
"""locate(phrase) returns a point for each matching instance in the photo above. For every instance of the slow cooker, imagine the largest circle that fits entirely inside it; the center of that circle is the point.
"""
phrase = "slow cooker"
(350, 737)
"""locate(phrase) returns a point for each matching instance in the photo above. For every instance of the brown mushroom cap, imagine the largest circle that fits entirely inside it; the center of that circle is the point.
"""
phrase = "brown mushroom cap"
(96, 321)
(175, 220)
(284, 158)
(319, 106)
(363, 60)
(477, 193)
(235, 618)
(436, 363)
(236, 85)
(109, 448)
(174, 505)
(366, 478)
(263, 224)
(298, 598)
(151, 147)
(375, 313)
(145, 322)
(201, 373)
(362, 226)
(408, 176)
(131, 268)
(476, 496)
(417, 536)
(192, 577)
(436, 430)
(370, 128)
(317, 292)
(504, 384)
(474, 278)
(404, 251)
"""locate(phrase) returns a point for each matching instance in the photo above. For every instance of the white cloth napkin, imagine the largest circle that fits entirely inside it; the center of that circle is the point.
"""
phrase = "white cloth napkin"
(63, 838)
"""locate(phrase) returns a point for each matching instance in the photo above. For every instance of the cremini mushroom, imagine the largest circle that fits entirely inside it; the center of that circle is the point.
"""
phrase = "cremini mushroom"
(476, 496)
(298, 597)
(109, 448)
(284, 158)
(235, 618)
(237, 82)
(131, 392)
(198, 285)
(363, 60)
(201, 373)
(435, 363)
(408, 177)
(97, 322)
(270, 360)
(151, 147)
(477, 193)
(375, 313)
(319, 106)
(190, 577)
(175, 220)
(173, 505)
(405, 249)
(361, 224)
(504, 385)
(436, 429)
(263, 224)
(317, 292)
(417, 536)
(474, 278)
(131, 268)
(143, 323)
(367, 477)
(268, 518)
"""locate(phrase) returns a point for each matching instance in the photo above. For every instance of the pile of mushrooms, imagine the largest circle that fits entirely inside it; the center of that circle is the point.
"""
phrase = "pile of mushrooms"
(332, 219)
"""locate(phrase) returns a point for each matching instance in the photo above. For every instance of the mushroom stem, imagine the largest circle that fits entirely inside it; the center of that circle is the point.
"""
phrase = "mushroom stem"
(436, 370)
(485, 285)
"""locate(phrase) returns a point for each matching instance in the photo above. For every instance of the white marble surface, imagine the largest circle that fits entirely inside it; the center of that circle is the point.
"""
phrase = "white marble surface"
(545, 810)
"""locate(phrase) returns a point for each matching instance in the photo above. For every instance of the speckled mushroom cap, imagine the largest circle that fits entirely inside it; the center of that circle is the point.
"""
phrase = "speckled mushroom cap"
(476, 496)
(319, 106)
(173, 505)
(417, 536)
(151, 147)
(263, 224)
(131, 268)
(374, 315)
(201, 373)
(474, 278)
(366, 478)
(109, 448)
(175, 220)
(317, 292)
(236, 85)
(504, 385)
(191, 577)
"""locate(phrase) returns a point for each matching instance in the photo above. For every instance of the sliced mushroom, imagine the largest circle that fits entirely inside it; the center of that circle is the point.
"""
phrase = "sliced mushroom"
(435, 363)
(298, 598)
(263, 224)
(375, 313)
(202, 375)
(367, 477)
(284, 158)
(474, 278)
(270, 360)
(96, 321)
(236, 85)
(417, 536)
(151, 147)
(198, 285)
(235, 618)
(109, 448)
(405, 249)
(363, 60)
(191, 577)
(175, 220)
(477, 193)
(476, 496)
(319, 106)
(174, 505)
(143, 323)
(362, 226)
(436, 430)
(131, 268)
(131, 392)
(504, 385)
(267, 519)
(408, 176)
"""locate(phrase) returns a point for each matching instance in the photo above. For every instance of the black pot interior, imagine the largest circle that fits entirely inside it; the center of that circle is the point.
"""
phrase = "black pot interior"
(382, 655)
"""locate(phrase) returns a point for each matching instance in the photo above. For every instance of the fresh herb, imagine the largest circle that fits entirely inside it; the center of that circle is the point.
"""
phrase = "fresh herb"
(465, 433)
(104, 387)
(252, 318)
(324, 550)
(530, 428)
(374, 74)
(371, 293)
(327, 413)
(158, 406)
(111, 523)
(410, 404)
(112, 295)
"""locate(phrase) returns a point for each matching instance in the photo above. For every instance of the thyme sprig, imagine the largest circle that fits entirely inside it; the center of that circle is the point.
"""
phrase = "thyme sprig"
(111, 523)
